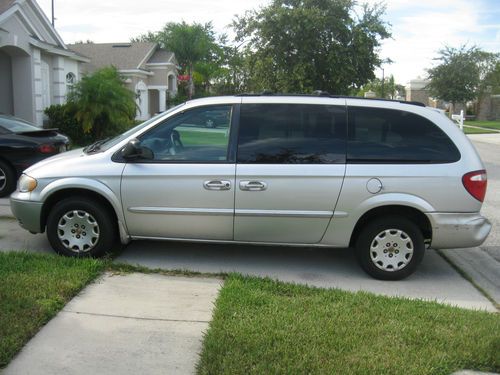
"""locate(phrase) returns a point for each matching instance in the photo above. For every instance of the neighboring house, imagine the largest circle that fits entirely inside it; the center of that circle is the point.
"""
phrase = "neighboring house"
(149, 71)
(36, 67)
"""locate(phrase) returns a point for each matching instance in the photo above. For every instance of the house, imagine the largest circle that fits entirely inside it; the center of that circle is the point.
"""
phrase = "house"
(36, 67)
(148, 70)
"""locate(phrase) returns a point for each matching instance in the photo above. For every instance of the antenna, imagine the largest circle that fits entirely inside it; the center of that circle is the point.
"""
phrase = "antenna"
(53, 13)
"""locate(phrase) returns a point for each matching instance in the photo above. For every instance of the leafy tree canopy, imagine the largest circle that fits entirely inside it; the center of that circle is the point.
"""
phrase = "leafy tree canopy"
(306, 45)
(462, 73)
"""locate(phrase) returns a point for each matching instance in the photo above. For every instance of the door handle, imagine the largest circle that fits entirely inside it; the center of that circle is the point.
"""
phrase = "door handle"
(217, 185)
(253, 185)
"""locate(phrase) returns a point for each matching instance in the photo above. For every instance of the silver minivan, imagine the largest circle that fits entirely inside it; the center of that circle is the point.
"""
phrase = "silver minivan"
(387, 178)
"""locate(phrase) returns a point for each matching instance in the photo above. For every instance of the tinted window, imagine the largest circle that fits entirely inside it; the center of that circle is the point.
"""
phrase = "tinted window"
(392, 136)
(291, 134)
(197, 135)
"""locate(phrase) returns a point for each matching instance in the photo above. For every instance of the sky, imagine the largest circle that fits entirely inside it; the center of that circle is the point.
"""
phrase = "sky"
(420, 28)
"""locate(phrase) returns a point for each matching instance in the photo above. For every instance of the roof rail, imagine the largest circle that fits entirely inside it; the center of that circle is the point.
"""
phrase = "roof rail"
(325, 94)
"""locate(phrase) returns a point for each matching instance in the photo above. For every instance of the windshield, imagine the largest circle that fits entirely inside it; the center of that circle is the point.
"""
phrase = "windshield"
(16, 125)
(114, 141)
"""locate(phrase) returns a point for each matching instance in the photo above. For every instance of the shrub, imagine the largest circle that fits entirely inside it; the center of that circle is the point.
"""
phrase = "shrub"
(64, 118)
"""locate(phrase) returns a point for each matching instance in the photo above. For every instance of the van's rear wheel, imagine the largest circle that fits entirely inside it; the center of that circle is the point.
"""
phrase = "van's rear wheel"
(390, 248)
(80, 228)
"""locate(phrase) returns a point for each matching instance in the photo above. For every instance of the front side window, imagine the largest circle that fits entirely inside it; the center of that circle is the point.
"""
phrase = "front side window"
(196, 135)
(379, 135)
(292, 134)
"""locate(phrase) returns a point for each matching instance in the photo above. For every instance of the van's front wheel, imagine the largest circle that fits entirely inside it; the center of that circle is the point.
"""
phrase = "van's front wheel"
(390, 248)
(79, 227)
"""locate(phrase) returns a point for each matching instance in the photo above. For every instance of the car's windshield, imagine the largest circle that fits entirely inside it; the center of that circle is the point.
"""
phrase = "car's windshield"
(114, 141)
(16, 125)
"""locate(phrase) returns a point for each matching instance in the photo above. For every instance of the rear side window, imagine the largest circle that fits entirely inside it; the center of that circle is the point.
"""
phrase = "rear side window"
(377, 135)
(292, 134)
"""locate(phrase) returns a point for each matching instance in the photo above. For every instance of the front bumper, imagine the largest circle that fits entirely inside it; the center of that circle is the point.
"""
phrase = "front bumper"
(457, 230)
(27, 213)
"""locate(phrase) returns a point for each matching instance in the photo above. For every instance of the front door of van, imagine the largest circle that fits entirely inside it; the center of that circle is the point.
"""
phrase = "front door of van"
(187, 189)
(290, 169)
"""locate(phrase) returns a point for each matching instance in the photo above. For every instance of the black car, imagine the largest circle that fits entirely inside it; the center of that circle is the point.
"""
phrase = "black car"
(23, 144)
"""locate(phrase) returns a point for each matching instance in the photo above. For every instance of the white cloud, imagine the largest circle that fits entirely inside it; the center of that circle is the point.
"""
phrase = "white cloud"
(419, 28)
(426, 28)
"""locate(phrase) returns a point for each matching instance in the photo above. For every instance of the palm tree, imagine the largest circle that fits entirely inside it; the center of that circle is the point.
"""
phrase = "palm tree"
(103, 104)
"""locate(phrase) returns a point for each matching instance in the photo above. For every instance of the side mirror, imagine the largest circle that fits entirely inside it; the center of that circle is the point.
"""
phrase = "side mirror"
(133, 151)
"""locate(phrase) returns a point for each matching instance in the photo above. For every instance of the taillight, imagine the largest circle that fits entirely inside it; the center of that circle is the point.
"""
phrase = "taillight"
(47, 149)
(475, 183)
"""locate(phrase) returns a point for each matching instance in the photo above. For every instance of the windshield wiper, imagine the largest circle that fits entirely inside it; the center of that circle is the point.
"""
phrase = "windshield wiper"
(96, 145)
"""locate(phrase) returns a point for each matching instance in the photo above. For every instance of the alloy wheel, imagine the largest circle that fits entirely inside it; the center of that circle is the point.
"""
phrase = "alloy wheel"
(78, 231)
(391, 250)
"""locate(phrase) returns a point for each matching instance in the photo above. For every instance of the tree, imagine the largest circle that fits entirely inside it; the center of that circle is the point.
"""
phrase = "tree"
(192, 44)
(388, 90)
(491, 82)
(306, 45)
(462, 73)
(103, 103)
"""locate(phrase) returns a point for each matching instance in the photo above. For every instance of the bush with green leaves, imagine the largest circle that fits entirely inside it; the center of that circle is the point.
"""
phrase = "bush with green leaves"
(103, 105)
(63, 117)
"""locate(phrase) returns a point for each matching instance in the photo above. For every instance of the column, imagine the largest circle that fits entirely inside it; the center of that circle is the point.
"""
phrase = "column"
(163, 99)
(58, 80)
(37, 86)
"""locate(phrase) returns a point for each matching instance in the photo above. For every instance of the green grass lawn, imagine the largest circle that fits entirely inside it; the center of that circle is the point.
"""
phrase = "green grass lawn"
(33, 288)
(468, 130)
(266, 327)
(208, 137)
(483, 124)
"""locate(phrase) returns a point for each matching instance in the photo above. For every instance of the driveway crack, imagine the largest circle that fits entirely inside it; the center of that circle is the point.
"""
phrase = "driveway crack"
(136, 318)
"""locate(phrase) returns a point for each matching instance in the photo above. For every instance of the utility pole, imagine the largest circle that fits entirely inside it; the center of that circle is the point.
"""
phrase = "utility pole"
(53, 13)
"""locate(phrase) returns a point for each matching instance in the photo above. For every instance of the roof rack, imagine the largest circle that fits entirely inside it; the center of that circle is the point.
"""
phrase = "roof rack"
(326, 94)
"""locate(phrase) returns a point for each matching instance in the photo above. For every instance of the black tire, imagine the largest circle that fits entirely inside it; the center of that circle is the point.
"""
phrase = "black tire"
(393, 238)
(7, 179)
(76, 210)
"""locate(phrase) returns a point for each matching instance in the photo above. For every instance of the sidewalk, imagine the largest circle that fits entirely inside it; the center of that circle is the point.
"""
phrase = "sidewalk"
(132, 324)
(486, 138)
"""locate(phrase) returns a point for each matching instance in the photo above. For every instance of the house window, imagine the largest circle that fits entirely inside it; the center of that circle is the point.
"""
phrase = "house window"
(70, 78)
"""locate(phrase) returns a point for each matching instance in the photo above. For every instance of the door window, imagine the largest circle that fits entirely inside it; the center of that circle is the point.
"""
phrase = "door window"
(196, 135)
(292, 134)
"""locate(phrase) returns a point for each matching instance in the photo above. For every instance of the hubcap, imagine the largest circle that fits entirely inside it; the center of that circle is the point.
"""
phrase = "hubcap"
(78, 231)
(3, 179)
(391, 250)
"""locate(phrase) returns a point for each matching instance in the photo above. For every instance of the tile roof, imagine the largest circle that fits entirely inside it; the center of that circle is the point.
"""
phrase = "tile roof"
(121, 55)
(161, 56)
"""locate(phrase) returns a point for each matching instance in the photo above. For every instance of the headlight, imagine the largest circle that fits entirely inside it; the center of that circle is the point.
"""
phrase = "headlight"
(26, 183)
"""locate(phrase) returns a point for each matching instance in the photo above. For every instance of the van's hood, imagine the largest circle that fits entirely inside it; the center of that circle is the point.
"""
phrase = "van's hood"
(56, 159)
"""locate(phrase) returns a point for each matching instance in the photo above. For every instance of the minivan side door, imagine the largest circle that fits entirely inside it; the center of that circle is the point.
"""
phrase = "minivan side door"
(290, 169)
(187, 189)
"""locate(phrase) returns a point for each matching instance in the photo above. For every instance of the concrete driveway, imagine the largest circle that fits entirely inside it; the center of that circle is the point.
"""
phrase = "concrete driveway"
(434, 280)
